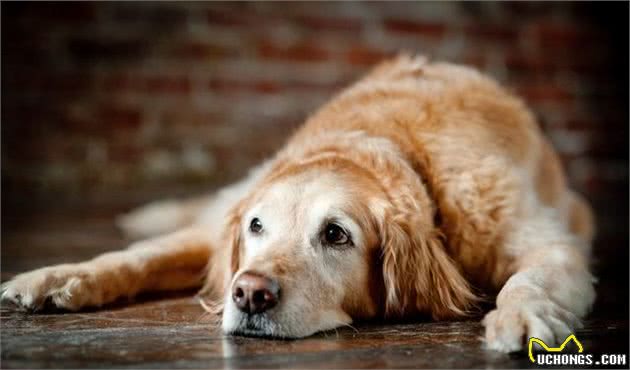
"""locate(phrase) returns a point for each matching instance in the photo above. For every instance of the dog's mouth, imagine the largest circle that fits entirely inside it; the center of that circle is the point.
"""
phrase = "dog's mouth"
(258, 326)
(258, 334)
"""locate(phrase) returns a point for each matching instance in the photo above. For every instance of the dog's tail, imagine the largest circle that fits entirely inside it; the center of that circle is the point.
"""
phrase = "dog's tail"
(160, 217)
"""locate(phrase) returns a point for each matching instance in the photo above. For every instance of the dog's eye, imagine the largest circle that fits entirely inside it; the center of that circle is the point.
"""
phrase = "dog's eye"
(335, 235)
(255, 226)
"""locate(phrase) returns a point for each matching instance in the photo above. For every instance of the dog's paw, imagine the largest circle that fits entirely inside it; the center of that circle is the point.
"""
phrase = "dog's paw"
(67, 286)
(509, 327)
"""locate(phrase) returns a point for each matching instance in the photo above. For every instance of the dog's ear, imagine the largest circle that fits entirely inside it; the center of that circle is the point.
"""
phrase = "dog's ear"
(419, 276)
(234, 239)
(224, 262)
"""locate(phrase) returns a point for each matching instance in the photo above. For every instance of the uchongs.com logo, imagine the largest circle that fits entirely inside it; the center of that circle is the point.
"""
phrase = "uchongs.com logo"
(554, 356)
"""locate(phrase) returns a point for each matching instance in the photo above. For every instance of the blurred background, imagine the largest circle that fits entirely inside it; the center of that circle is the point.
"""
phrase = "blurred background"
(108, 104)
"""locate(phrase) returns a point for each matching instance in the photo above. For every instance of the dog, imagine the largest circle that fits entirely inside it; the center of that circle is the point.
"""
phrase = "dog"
(419, 191)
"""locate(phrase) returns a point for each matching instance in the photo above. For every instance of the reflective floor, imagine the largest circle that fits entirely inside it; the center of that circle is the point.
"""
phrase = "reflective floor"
(171, 331)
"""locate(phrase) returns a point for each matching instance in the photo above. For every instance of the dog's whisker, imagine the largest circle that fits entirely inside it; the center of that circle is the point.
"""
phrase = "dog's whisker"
(352, 327)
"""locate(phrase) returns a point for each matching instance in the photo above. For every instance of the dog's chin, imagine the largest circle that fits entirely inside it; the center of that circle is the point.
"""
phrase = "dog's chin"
(264, 326)
(280, 324)
(259, 326)
(259, 334)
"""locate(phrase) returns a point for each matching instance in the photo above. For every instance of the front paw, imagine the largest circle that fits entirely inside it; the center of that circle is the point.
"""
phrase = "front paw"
(66, 286)
(509, 327)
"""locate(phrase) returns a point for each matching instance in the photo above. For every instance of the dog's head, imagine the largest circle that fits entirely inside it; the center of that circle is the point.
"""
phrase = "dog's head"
(323, 242)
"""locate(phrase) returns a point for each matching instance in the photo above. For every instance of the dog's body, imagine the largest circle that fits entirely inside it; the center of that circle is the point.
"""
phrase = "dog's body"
(412, 193)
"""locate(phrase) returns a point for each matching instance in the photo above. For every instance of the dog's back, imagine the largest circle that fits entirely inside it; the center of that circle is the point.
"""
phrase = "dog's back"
(476, 145)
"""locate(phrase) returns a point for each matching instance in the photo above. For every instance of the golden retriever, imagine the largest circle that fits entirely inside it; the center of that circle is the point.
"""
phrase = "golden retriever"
(415, 192)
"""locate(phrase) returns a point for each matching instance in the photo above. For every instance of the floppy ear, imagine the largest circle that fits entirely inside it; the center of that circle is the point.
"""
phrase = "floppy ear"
(419, 276)
(224, 261)
(234, 238)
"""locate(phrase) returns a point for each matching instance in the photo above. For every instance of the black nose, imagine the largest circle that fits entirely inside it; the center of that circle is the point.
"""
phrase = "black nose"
(255, 293)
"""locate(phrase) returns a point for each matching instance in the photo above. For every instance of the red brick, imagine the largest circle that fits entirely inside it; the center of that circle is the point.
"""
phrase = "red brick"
(229, 18)
(50, 73)
(163, 84)
(330, 23)
(65, 148)
(119, 117)
(585, 63)
(544, 92)
(564, 35)
(200, 50)
(406, 26)
(186, 119)
(520, 62)
(227, 85)
(312, 86)
(84, 124)
(52, 148)
(475, 59)
(491, 32)
(524, 8)
(117, 82)
(303, 51)
(162, 14)
(365, 56)
(123, 152)
(120, 82)
(267, 87)
(264, 86)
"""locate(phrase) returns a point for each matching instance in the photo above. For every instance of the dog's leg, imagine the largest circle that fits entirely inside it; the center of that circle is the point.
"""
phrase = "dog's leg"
(550, 290)
(171, 262)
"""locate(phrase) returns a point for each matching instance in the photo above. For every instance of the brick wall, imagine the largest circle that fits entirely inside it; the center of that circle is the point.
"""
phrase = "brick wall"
(100, 97)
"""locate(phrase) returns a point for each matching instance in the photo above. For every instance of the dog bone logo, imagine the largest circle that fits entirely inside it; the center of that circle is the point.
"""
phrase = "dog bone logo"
(533, 340)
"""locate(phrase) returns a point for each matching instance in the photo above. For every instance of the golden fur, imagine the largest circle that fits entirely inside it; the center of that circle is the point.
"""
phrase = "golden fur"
(453, 190)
